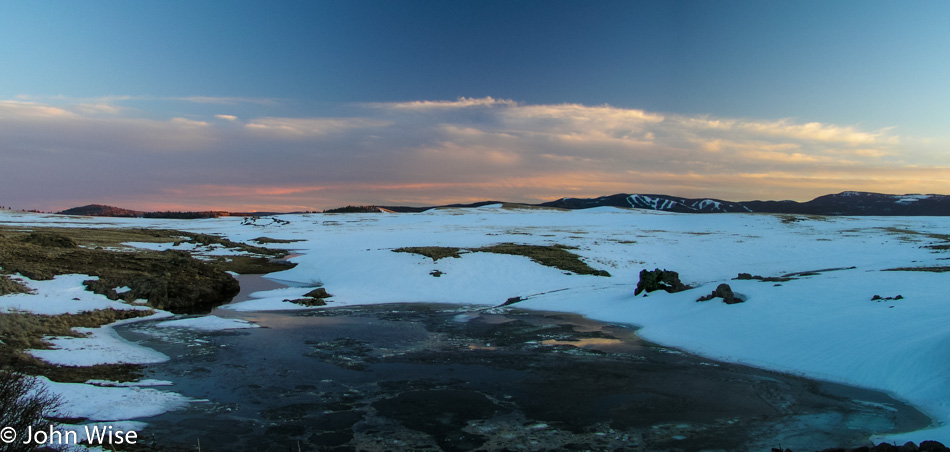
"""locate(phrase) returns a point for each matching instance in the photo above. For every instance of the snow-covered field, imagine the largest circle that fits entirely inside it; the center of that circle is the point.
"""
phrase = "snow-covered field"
(823, 326)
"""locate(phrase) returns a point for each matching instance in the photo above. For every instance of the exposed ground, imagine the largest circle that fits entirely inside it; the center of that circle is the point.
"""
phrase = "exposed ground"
(556, 256)
(170, 280)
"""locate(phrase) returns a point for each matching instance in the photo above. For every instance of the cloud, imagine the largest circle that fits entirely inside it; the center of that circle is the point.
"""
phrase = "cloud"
(310, 127)
(185, 122)
(225, 100)
(436, 105)
(427, 152)
(13, 110)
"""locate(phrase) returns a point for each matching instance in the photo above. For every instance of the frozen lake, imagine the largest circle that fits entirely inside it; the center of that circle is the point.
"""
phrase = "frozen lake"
(450, 377)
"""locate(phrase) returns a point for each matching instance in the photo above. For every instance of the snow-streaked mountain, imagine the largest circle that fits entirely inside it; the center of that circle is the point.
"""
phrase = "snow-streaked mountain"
(851, 203)
(651, 202)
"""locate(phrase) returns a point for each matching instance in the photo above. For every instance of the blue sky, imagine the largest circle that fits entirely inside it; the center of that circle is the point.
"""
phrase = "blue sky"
(507, 96)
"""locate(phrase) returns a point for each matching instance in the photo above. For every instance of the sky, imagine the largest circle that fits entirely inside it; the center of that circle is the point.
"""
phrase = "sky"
(288, 106)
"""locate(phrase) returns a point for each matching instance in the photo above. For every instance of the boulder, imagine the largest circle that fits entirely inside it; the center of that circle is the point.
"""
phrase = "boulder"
(319, 292)
(659, 280)
(722, 291)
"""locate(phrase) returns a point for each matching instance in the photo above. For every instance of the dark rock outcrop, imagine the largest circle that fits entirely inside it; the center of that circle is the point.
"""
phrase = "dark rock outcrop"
(666, 280)
(319, 292)
(722, 291)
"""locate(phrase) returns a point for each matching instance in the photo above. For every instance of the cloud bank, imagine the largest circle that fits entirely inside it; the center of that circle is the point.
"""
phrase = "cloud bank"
(62, 154)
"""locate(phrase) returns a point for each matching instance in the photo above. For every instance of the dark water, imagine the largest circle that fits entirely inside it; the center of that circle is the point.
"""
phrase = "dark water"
(444, 377)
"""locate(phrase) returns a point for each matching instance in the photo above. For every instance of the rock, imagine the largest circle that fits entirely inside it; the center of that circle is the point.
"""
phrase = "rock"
(659, 280)
(319, 292)
(512, 300)
(722, 291)
(876, 297)
(308, 301)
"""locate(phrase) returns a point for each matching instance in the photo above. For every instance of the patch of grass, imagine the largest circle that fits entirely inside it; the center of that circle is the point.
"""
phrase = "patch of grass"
(206, 239)
(935, 269)
(168, 280)
(22, 331)
(172, 280)
(555, 256)
(263, 240)
(115, 237)
(109, 237)
(26, 330)
(250, 265)
(906, 234)
(16, 360)
(50, 239)
(10, 286)
(432, 252)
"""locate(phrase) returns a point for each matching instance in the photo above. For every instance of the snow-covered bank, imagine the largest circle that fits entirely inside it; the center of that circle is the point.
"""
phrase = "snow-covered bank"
(823, 326)
(94, 400)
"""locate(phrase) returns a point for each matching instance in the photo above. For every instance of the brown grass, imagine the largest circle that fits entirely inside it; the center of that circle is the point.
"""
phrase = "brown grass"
(22, 331)
(263, 240)
(249, 265)
(556, 256)
(936, 269)
(10, 286)
(172, 280)
(168, 280)
(27, 330)
(432, 252)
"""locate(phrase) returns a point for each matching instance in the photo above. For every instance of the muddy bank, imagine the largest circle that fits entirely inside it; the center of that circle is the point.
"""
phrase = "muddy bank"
(435, 377)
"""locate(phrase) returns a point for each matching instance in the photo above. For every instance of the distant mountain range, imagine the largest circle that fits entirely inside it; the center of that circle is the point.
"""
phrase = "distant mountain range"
(100, 210)
(848, 203)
